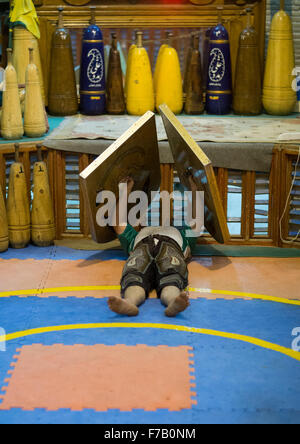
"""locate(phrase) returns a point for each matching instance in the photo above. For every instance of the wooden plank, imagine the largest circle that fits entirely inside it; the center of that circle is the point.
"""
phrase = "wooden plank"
(264, 220)
(275, 196)
(167, 184)
(262, 202)
(234, 190)
(248, 198)
(222, 181)
(84, 162)
(3, 175)
(25, 159)
(72, 192)
(188, 155)
(134, 154)
(261, 212)
(287, 169)
(234, 219)
(60, 194)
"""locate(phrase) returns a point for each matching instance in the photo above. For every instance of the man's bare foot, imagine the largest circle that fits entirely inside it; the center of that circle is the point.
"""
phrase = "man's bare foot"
(120, 306)
(178, 305)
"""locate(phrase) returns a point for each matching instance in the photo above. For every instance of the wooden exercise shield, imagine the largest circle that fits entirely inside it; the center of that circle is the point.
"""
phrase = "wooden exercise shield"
(134, 154)
(189, 157)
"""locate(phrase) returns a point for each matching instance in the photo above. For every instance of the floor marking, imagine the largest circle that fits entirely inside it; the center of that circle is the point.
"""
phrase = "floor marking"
(247, 295)
(33, 292)
(37, 292)
(181, 328)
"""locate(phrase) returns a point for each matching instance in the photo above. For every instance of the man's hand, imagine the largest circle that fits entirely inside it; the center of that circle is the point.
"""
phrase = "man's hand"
(192, 182)
(119, 229)
(130, 183)
(194, 188)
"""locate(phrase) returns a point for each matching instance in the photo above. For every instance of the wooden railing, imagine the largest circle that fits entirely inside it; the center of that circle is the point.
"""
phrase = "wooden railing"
(262, 197)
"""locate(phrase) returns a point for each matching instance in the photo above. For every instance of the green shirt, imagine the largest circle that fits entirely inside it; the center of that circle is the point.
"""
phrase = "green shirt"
(127, 239)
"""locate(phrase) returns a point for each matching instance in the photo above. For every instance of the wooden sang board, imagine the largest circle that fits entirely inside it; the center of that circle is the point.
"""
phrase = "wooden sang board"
(188, 156)
(134, 154)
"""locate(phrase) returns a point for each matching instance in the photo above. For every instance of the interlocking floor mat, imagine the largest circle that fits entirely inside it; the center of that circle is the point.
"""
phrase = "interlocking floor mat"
(232, 357)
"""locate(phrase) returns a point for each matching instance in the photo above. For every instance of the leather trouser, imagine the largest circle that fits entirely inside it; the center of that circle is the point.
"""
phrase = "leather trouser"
(156, 262)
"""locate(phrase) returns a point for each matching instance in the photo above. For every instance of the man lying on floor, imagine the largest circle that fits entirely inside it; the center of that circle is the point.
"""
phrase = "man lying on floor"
(157, 260)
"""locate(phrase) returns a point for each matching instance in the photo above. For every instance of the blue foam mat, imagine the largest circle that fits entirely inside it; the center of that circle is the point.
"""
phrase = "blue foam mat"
(236, 382)
(270, 321)
(61, 253)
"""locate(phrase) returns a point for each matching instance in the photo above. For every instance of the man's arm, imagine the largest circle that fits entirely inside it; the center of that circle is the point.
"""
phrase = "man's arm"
(189, 233)
(194, 189)
(126, 233)
(119, 229)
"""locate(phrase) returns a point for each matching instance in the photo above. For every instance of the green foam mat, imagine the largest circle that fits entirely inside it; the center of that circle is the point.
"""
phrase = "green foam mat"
(200, 250)
(245, 251)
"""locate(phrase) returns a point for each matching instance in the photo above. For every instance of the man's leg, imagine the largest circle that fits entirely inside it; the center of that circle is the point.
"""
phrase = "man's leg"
(172, 279)
(134, 283)
(134, 296)
(174, 299)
